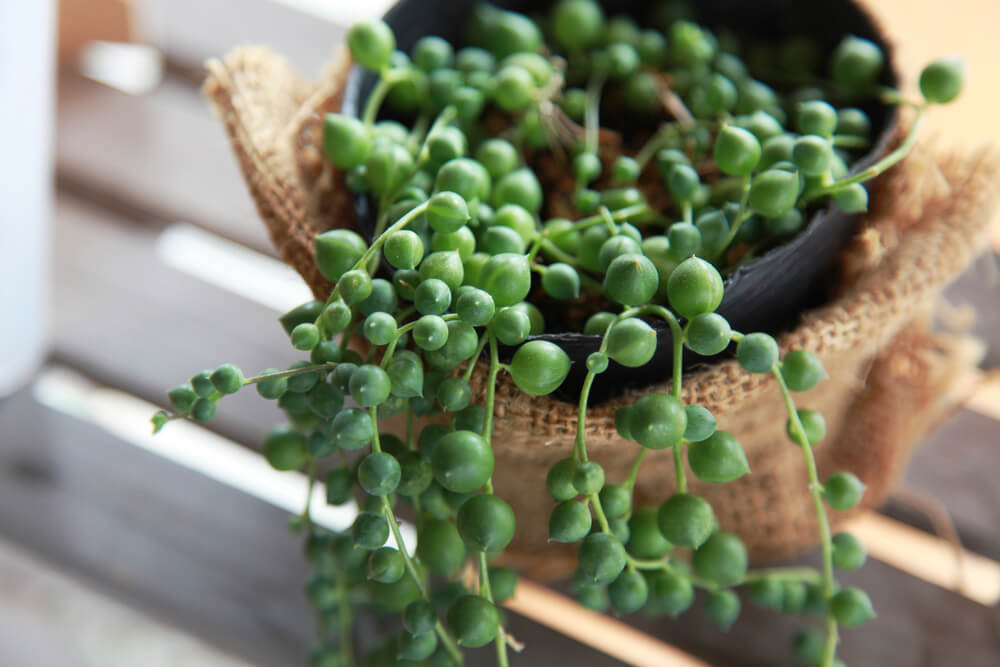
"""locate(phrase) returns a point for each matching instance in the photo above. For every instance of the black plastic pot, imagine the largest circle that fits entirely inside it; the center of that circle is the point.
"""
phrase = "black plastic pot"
(767, 294)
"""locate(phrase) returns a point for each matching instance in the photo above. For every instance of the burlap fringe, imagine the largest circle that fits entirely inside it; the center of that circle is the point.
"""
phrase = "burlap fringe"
(891, 378)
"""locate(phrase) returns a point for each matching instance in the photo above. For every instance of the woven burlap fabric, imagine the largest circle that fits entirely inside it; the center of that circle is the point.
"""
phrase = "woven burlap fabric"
(891, 378)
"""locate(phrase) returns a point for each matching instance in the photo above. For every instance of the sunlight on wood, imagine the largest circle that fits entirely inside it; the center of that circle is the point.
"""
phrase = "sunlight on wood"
(566, 616)
(986, 399)
(930, 558)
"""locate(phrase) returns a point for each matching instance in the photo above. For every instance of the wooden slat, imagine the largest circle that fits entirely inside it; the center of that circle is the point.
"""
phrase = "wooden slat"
(158, 156)
(191, 31)
(123, 316)
(208, 559)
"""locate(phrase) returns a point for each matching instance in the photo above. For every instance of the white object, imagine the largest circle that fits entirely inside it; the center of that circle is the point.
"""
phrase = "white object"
(27, 83)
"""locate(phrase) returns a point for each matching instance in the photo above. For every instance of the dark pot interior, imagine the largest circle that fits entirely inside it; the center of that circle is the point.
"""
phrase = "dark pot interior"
(767, 294)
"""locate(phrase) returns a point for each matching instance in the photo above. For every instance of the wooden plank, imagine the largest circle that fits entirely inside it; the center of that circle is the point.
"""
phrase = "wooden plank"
(976, 292)
(159, 156)
(958, 466)
(214, 562)
(191, 31)
(48, 618)
(125, 317)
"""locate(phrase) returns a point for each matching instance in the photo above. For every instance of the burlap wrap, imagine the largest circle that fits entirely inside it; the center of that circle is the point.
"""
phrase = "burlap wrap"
(891, 378)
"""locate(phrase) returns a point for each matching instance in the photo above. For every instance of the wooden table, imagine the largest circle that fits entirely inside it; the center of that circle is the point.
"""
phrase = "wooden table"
(158, 542)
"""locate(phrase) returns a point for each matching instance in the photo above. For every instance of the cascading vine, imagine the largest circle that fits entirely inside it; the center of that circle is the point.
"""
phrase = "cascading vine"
(720, 167)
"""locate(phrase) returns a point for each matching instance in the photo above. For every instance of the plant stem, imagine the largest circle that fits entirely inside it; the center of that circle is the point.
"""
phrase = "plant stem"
(679, 471)
(446, 639)
(655, 143)
(376, 245)
(816, 491)
(387, 81)
(591, 117)
(871, 172)
(634, 472)
(486, 592)
(330, 365)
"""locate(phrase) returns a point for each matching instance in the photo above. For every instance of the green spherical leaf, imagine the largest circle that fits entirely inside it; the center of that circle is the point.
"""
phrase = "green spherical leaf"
(419, 617)
(203, 410)
(570, 521)
(403, 249)
(378, 474)
(616, 500)
(631, 280)
(737, 151)
(371, 44)
(722, 608)
(539, 367)
(851, 607)
(852, 199)
(802, 370)
(588, 478)
(816, 117)
(721, 559)
(498, 156)
(646, 541)
(631, 342)
(339, 483)
(507, 278)
(447, 212)
(354, 286)
(559, 479)
(848, 553)
(686, 520)
(415, 648)
(601, 558)
(440, 547)
(812, 154)
(773, 192)
(768, 592)
(561, 281)
(285, 449)
(337, 251)
(941, 81)
(385, 565)
(475, 306)
(352, 429)
(388, 167)
(629, 592)
(843, 490)
(757, 352)
(346, 140)
(671, 593)
(718, 459)
(464, 177)
(695, 287)
(708, 334)
(503, 583)
(474, 620)
(486, 523)
(577, 24)
(370, 385)
(462, 461)
(370, 531)
(856, 62)
(813, 423)
(657, 421)
(519, 187)
(700, 423)
(182, 398)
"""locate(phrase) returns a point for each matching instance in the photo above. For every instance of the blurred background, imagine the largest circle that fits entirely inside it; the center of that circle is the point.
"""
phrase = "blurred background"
(131, 256)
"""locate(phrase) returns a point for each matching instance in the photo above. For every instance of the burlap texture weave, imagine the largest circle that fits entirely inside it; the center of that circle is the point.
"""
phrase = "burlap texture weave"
(891, 378)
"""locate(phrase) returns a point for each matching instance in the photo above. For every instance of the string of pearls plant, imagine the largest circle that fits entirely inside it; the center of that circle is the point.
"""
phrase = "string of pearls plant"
(724, 167)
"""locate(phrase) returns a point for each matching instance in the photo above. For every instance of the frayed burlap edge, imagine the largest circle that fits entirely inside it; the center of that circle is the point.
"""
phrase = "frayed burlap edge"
(890, 378)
